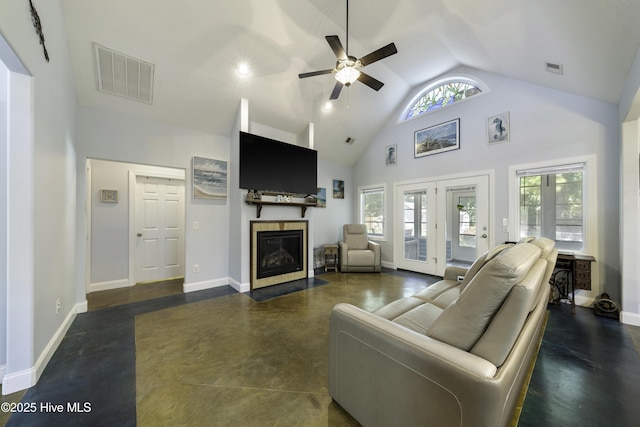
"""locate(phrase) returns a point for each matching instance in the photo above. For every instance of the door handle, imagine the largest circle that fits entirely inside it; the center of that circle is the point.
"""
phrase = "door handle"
(484, 236)
(139, 234)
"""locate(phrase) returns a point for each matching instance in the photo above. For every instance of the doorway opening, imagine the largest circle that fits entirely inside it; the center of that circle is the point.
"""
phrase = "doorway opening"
(136, 232)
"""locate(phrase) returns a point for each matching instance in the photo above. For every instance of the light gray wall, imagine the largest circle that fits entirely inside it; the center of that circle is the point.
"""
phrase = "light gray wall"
(546, 124)
(329, 220)
(53, 193)
(117, 137)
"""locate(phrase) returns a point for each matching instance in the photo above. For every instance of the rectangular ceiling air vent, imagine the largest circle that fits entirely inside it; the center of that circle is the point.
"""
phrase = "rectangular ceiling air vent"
(123, 75)
(554, 68)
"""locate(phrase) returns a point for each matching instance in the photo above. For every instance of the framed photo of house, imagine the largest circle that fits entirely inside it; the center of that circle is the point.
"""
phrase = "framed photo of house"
(209, 178)
(109, 196)
(498, 128)
(437, 139)
(390, 154)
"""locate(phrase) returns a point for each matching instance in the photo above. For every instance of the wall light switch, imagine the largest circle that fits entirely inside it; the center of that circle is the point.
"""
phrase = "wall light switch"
(505, 225)
(196, 225)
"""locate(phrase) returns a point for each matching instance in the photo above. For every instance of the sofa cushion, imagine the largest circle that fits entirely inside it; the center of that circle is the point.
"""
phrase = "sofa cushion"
(359, 257)
(504, 329)
(482, 260)
(463, 322)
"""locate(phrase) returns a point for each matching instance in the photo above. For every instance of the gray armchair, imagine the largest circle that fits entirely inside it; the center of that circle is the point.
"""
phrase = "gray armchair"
(357, 253)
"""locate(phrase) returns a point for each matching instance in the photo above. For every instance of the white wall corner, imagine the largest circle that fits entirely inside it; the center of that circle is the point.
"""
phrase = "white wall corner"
(629, 318)
(18, 381)
(240, 287)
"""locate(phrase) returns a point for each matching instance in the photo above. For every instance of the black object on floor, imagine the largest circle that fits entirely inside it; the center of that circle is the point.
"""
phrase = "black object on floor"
(269, 292)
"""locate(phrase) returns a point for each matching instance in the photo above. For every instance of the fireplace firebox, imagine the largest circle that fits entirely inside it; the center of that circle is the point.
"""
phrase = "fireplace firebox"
(279, 252)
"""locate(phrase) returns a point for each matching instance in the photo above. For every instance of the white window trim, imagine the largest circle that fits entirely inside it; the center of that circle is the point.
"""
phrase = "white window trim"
(590, 205)
(418, 93)
(363, 188)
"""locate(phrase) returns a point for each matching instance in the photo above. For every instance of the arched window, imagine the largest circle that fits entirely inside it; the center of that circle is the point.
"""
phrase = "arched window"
(442, 93)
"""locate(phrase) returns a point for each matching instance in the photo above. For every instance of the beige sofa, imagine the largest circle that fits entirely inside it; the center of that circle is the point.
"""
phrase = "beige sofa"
(356, 252)
(455, 354)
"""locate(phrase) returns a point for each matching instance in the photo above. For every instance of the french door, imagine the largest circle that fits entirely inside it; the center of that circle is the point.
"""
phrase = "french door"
(440, 223)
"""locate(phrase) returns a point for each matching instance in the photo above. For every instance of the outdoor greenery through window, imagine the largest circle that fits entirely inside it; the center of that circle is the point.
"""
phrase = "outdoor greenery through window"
(551, 205)
(442, 95)
(372, 210)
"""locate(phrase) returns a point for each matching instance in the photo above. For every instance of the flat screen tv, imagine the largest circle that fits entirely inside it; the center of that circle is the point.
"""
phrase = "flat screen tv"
(274, 166)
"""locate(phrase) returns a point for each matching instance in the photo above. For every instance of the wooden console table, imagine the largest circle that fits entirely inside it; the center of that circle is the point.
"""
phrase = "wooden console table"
(571, 272)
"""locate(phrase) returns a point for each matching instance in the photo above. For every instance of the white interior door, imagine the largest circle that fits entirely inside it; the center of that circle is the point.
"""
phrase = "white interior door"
(159, 228)
(416, 229)
(428, 221)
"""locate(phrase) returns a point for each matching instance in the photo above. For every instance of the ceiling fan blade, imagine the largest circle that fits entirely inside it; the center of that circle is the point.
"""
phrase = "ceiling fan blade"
(370, 81)
(315, 73)
(336, 46)
(379, 54)
(336, 91)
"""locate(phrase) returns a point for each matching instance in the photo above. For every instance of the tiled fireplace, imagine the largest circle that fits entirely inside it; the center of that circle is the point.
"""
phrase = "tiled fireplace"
(278, 252)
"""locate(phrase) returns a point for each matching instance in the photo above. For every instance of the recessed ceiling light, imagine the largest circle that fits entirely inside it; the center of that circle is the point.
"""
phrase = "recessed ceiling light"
(328, 106)
(243, 68)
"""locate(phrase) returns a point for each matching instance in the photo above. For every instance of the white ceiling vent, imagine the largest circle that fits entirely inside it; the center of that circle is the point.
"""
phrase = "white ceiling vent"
(123, 75)
(553, 68)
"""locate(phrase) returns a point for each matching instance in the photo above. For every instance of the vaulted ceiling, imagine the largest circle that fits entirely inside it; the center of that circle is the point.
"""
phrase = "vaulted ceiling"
(196, 46)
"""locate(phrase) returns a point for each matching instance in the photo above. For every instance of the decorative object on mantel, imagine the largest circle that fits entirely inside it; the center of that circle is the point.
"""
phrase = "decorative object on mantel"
(498, 128)
(338, 189)
(209, 178)
(437, 139)
(38, 26)
(390, 154)
(109, 196)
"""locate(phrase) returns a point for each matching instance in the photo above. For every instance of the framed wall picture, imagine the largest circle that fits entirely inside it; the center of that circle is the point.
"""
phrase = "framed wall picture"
(498, 128)
(338, 189)
(209, 178)
(321, 197)
(109, 196)
(390, 153)
(437, 139)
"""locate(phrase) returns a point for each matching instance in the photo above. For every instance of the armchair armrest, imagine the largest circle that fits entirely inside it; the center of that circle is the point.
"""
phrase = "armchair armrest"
(452, 273)
(375, 247)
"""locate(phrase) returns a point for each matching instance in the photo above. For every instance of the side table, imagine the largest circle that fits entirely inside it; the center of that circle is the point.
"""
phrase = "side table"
(330, 257)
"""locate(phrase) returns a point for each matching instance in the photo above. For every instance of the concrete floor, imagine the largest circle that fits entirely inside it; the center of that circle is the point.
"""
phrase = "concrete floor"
(217, 357)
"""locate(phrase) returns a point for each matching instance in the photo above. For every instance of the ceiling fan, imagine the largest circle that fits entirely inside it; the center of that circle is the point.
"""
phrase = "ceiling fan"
(347, 69)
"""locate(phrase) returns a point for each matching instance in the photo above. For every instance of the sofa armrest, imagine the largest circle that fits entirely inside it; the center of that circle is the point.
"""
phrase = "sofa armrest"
(379, 371)
(452, 273)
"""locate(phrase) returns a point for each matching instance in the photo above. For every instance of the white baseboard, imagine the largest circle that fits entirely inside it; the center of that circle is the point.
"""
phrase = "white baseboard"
(112, 284)
(388, 264)
(22, 380)
(240, 287)
(629, 318)
(207, 284)
(18, 381)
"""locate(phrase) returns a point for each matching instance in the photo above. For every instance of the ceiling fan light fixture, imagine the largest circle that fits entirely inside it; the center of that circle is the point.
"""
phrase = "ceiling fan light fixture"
(347, 75)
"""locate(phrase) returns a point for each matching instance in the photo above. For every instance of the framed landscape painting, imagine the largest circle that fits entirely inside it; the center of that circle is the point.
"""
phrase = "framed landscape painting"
(437, 139)
(209, 178)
